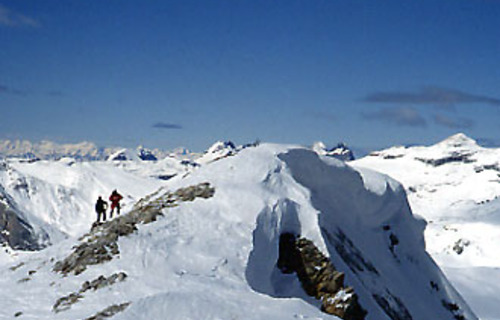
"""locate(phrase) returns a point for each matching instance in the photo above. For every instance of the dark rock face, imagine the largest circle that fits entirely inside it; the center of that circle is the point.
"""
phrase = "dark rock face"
(64, 303)
(15, 231)
(454, 309)
(102, 281)
(460, 245)
(100, 243)
(342, 152)
(454, 157)
(318, 277)
(109, 311)
(146, 155)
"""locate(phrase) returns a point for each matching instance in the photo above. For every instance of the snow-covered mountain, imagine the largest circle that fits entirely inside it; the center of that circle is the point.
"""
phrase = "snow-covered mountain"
(455, 186)
(218, 150)
(340, 151)
(210, 250)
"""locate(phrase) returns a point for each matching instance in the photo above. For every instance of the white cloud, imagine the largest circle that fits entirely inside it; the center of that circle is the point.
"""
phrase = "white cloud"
(10, 18)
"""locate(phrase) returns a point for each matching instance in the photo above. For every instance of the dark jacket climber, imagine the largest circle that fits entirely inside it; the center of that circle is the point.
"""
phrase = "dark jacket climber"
(115, 198)
(100, 208)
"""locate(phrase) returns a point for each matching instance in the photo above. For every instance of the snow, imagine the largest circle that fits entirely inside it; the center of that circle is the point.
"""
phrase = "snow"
(460, 201)
(217, 151)
(216, 258)
(124, 155)
(59, 197)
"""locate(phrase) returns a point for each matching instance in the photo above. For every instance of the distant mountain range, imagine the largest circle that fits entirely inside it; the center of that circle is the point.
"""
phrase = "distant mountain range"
(89, 151)
(85, 151)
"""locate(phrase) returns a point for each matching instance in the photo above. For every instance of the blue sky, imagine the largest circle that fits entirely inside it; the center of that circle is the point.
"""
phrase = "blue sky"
(187, 73)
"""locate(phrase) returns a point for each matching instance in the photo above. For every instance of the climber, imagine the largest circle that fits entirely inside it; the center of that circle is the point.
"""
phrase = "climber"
(115, 198)
(100, 208)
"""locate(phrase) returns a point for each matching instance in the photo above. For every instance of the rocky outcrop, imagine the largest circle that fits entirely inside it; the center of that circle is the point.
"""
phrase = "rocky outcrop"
(460, 245)
(109, 311)
(318, 277)
(102, 281)
(100, 244)
(66, 302)
(453, 157)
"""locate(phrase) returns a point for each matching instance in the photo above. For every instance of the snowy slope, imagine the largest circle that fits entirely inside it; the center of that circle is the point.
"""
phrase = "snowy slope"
(455, 186)
(216, 258)
(57, 197)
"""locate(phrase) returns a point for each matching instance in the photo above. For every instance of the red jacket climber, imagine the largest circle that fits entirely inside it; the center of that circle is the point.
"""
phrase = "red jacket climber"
(115, 198)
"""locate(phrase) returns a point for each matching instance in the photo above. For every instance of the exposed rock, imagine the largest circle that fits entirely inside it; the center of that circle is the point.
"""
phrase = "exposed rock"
(434, 285)
(89, 253)
(102, 282)
(460, 245)
(202, 190)
(24, 280)
(343, 304)
(454, 157)
(65, 303)
(17, 266)
(453, 308)
(109, 311)
(166, 176)
(318, 277)
(146, 154)
(394, 241)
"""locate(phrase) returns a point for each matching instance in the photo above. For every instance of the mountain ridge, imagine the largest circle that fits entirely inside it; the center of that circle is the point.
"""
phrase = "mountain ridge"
(217, 257)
